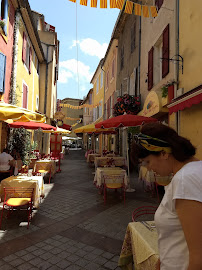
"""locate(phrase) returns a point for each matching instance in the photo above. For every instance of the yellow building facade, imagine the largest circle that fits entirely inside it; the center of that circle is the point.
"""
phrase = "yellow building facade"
(186, 108)
(98, 82)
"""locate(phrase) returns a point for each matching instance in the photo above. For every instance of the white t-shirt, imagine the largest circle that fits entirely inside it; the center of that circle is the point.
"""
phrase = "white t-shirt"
(173, 249)
(4, 161)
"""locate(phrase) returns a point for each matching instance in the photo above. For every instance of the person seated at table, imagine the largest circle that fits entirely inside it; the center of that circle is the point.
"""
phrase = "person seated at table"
(178, 218)
(6, 164)
(17, 157)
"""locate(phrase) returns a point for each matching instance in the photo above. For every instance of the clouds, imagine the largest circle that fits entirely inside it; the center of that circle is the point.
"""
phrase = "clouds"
(91, 47)
(74, 69)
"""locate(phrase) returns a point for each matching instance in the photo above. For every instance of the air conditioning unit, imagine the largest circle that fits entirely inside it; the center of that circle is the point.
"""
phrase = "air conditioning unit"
(179, 92)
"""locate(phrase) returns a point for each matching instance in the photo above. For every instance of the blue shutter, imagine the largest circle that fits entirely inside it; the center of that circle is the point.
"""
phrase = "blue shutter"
(6, 16)
(2, 72)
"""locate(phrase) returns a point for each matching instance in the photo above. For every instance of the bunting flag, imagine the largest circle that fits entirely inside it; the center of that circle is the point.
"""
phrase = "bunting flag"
(145, 12)
(103, 3)
(119, 4)
(93, 3)
(138, 9)
(83, 2)
(73, 119)
(112, 3)
(153, 11)
(79, 107)
(129, 7)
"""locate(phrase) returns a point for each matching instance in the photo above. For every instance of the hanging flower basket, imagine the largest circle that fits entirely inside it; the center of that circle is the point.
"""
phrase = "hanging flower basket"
(127, 104)
(2, 23)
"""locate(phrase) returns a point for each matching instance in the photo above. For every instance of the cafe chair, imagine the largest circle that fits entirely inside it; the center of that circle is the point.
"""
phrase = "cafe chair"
(113, 181)
(41, 172)
(18, 198)
(142, 211)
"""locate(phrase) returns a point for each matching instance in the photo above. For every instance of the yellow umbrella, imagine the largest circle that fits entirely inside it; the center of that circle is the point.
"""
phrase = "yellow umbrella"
(9, 111)
(58, 131)
(91, 129)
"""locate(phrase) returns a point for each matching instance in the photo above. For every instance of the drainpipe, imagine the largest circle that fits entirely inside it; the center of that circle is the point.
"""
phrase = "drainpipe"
(177, 68)
(103, 136)
(139, 56)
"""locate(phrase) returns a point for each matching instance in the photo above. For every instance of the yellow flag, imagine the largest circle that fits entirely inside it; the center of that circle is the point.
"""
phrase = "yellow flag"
(93, 3)
(138, 9)
(153, 11)
(103, 3)
(129, 7)
(112, 3)
(145, 11)
(119, 4)
(74, 1)
(83, 2)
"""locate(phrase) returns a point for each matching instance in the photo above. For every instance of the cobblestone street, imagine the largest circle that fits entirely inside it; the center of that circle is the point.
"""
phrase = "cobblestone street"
(72, 229)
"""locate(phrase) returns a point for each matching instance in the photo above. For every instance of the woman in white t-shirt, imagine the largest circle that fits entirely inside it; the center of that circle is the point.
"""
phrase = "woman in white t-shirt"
(179, 216)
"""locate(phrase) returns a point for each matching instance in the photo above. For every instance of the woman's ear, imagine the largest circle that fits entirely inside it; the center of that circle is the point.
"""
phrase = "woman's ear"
(164, 155)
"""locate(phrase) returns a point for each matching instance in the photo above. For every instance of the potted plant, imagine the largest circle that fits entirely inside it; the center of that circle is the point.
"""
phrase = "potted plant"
(2, 24)
(168, 90)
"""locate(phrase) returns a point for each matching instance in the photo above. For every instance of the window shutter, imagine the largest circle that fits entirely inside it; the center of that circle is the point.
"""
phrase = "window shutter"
(30, 60)
(2, 72)
(24, 48)
(165, 53)
(158, 4)
(150, 68)
(5, 16)
(25, 90)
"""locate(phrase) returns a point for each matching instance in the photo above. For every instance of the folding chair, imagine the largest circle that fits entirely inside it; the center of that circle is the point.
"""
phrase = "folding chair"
(143, 210)
(113, 181)
(16, 198)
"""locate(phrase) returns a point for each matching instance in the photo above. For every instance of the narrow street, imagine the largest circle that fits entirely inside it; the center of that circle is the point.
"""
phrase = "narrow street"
(72, 229)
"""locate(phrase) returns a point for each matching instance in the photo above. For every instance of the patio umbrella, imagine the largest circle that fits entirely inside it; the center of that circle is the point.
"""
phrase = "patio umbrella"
(67, 127)
(58, 130)
(32, 125)
(125, 120)
(9, 111)
(91, 129)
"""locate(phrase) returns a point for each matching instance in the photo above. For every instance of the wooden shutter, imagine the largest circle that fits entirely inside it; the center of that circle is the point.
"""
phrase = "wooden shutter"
(158, 3)
(25, 92)
(24, 46)
(165, 53)
(150, 68)
(30, 60)
(2, 72)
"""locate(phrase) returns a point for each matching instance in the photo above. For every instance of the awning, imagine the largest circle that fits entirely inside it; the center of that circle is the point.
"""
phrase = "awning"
(186, 101)
(92, 129)
(58, 131)
(32, 125)
(9, 111)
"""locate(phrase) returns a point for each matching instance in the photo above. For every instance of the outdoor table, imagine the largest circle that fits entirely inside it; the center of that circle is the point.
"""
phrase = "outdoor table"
(35, 182)
(102, 171)
(91, 157)
(140, 246)
(46, 165)
(103, 161)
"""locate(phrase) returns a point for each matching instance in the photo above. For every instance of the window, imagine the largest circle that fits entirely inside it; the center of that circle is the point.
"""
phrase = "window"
(113, 66)
(132, 34)
(25, 96)
(165, 52)
(26, 53)
(37, 103)
(150, 68)
(122, 57)
(90, 99)
(2, 72)
(4, 14)
(101, 79)
(107, 83)
(100, 109)
(97, 87)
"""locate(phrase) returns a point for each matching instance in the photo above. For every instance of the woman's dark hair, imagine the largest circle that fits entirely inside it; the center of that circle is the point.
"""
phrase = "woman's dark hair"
(182, 149)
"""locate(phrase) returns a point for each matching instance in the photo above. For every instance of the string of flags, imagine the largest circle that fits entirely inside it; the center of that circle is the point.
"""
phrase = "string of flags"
(130, 7)
(79, 107)
(70, 118)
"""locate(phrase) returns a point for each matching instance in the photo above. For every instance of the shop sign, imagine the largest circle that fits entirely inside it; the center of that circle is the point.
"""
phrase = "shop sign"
(151, 105)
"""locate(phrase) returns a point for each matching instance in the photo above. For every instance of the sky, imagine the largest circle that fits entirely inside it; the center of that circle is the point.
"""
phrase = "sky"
(84, 34)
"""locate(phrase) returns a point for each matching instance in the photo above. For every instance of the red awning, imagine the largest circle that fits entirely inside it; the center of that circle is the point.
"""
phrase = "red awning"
(186, 103)
(32, 125)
